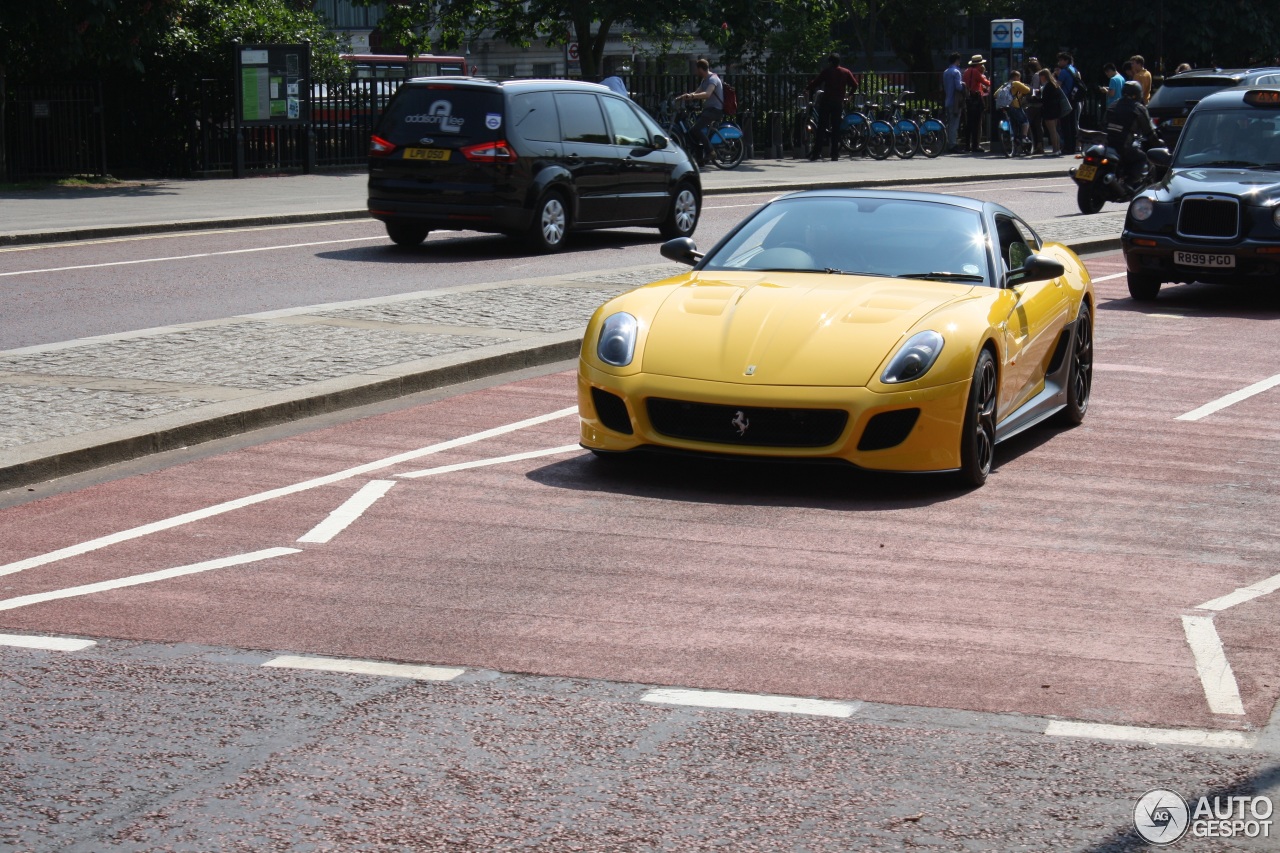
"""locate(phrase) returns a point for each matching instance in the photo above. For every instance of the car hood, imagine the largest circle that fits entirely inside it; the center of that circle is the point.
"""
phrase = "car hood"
(1262, 186)
(787, 328)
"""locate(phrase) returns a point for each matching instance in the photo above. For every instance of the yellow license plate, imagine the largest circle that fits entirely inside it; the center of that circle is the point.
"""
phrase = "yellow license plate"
(1086, 173)
(1177, 122)
(426, 153)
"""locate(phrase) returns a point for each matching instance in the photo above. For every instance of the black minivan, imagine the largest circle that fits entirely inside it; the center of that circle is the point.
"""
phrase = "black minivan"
(531, 158)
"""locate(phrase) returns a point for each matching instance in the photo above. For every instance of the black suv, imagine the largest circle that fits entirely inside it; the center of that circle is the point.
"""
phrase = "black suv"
(1216, 214)
(534, 158)
(1171, 103)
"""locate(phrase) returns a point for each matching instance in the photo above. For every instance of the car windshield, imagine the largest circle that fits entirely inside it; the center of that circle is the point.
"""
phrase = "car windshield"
(1248, 139)
(860, 236)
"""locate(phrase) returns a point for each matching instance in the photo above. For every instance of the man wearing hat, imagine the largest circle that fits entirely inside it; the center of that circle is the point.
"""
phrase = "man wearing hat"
(977, 86)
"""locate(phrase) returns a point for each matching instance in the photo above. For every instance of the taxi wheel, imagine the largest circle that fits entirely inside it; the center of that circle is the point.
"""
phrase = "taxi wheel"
(978, 440)
(406, 234)
(550, 223)
(1143, 288)
(682, 215)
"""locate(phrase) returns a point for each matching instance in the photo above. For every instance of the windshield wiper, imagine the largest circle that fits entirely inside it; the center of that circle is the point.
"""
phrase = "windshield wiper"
(835, 271)
(943, 276)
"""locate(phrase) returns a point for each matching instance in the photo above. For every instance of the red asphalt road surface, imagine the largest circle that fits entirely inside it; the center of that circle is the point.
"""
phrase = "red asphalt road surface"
(1057, 589)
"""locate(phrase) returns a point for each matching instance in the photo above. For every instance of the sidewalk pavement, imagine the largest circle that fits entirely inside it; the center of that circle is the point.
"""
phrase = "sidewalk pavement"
(77, 405)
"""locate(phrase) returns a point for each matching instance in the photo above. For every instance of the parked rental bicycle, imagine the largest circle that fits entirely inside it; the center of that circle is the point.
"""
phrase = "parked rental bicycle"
(932, 133)
(855, 127)
(727, 147)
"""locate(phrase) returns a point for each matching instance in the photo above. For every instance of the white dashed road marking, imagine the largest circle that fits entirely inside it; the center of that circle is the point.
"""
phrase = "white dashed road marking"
(497, 460)
(1176, 737)
(1219, 681)
(1243, 594)
(367, 667)
(750, 702)
(52, 644)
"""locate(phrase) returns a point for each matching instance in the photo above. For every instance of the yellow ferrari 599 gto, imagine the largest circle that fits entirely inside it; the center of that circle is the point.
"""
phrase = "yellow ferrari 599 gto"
(893, 331)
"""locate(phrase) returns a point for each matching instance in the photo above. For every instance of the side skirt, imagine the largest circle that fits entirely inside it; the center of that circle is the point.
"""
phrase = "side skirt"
(1052, 399)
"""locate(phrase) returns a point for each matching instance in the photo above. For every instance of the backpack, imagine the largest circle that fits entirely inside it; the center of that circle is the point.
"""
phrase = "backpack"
(1077, 88)
(730, 98)
(1004, 97)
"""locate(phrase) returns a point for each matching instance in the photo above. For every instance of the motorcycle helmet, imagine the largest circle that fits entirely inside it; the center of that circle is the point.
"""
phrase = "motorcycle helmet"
(1132, 89)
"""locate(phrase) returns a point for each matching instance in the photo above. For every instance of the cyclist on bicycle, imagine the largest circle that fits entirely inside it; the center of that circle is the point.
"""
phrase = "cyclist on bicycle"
(831, 85)
(1019, 124)
(711, 92)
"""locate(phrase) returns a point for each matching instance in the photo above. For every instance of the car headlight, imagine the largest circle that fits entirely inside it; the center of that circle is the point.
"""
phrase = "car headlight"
(1142, 208)
(914, 359)
(617, 343)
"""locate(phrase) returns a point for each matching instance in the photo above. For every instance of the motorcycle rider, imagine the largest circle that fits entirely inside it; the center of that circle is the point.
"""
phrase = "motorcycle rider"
(1127, 123)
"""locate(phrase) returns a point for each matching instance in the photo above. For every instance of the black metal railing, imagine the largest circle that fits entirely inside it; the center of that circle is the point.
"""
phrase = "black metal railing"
(55, 130)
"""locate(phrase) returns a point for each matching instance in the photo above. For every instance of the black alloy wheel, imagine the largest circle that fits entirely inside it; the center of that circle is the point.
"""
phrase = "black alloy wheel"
(406, 233)
(978, 439)
(1080, 377)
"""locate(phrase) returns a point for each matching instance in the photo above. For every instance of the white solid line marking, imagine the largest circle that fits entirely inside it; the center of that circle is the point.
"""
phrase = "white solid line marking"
(1230, 399)
(149, 577)
(189, 257)
(367, 667)
(750, 702)
(1178, 737)
(342, 517)
(173, 235)
(52, 644)
(1243, 594)
(1216, 677)
(240, 503)
(1109, 277)
(497, 460)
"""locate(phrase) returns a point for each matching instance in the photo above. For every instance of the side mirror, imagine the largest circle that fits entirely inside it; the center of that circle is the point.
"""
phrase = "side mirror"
(683, 250)
(1160, 157)
(659, 141)
(1036, 268)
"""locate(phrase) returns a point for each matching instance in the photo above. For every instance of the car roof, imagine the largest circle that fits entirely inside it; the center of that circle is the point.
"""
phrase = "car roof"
(1225, 76)
(1232, 98)
(904, 195)
(513, 86)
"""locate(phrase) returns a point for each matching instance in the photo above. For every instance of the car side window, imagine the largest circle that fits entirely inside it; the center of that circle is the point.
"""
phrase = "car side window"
(628, 130)
(1015, 246)
(533, 116)
(580, 118)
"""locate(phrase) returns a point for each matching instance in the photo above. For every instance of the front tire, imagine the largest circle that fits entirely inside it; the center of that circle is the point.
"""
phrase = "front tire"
(682, 215)
(880, 144)
(932, 142)
(978, 438)
(406, 233)
(550, 224)
(1089, 199)
(1080, 377)
(1143, 288)
(728, 154)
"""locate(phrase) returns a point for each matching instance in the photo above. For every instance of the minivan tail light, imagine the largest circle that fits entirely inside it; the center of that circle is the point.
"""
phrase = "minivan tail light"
(490, 152)
(379, 147)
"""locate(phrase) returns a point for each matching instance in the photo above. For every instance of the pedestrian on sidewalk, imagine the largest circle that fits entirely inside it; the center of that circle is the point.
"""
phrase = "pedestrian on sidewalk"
(1072, 85)
(953, 100)
(1138, 71)
(977, 86)
(832, 85)
(1035, 103)
(1055, 107)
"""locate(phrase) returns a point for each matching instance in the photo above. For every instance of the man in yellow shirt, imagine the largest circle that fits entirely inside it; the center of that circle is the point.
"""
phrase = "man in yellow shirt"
(1138, 71)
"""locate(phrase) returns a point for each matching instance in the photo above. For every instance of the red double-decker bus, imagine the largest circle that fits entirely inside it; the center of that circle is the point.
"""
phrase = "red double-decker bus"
(380, 66)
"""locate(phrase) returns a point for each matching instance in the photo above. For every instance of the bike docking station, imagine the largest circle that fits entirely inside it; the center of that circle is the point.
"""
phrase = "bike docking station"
(1006, 54)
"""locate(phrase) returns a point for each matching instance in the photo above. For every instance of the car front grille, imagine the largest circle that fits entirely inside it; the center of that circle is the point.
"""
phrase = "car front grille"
(1209, 217)
(752, 426)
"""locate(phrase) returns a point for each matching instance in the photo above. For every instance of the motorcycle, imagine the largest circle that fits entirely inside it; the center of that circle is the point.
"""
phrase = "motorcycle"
(1101, 177)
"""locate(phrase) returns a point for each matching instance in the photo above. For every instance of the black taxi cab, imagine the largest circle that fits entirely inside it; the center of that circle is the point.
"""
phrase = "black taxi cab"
(1216, 214)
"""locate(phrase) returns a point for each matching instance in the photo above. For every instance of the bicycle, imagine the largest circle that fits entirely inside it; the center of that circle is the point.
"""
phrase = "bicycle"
(855, 128)
(933, 133)
(1013, 145)
(881, 133)
(725, 138)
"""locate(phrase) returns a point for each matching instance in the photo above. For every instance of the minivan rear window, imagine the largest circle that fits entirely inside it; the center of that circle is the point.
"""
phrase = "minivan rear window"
(445, 114)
